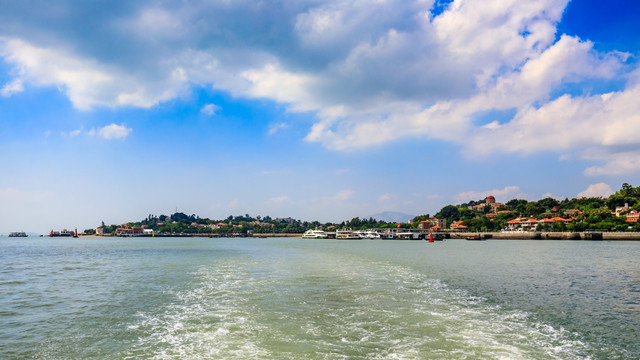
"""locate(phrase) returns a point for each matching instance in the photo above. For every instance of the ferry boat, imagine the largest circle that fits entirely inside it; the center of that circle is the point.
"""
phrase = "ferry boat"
(314, 234)
(370, 234)
(64, 232)
(18, 234)
(347, 234)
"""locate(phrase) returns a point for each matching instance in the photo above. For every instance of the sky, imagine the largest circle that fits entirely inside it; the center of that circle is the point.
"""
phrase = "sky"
(316, 110)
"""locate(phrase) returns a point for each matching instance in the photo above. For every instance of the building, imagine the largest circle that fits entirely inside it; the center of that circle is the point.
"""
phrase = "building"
(457, 226)
(127, 231)
(432, 223)
(489, 200)
(572, 212)
(531, 224)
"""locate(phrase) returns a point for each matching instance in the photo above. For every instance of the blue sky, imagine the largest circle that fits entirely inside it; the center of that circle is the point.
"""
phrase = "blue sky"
(318, 110)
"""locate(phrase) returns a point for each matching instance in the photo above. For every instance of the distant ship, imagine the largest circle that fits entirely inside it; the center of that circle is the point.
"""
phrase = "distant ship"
(18, 234)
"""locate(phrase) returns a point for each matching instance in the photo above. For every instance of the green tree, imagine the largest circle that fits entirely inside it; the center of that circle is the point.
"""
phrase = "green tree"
(627, 190)
(548, 203)
(450, 213)
(559, 226)
(517, 205)
(419, 218)
(533, 209)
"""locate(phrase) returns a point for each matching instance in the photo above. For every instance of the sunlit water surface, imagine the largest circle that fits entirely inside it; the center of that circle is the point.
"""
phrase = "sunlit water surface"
(170, 298)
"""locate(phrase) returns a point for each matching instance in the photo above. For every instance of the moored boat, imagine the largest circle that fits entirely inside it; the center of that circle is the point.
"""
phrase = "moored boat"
(65, 233)
(314, 234)
(371, 234)
(347, 234)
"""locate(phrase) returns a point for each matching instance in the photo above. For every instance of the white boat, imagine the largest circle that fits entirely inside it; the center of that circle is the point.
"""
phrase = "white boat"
(347, 234)
(314, 234)
(388, 235)
(370, 234)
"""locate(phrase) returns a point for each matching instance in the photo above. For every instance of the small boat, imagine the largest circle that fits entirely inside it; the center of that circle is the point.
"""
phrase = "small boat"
(314, 234)
(18, 234)
(475, 238)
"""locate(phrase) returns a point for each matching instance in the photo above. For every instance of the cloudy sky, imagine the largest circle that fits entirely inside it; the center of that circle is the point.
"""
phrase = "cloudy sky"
(318, 110)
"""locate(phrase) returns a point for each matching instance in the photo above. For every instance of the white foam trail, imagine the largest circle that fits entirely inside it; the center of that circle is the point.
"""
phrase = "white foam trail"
(331, 308)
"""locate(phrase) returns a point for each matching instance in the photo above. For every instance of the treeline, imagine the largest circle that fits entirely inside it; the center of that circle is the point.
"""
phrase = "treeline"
(181, 223)
(596, 213)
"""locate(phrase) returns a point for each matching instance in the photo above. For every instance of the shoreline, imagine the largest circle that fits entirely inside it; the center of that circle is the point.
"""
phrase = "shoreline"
(584, 236)
(576, 236)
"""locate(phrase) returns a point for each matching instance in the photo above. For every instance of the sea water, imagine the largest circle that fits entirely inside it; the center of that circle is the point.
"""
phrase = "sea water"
(198, 298)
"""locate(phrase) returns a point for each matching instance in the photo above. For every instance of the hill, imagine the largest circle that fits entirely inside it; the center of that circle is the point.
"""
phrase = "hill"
(392, 217)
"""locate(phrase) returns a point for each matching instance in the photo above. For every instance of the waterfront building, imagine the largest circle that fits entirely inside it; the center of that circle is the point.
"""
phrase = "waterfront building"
(457, 226)
(129, 231)
(531, 224)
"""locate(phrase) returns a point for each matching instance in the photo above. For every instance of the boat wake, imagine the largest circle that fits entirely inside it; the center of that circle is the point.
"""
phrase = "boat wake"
(332, 308)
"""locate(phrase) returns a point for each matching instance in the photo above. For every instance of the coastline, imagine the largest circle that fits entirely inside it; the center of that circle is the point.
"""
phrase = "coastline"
(519, 235)
(586, 236)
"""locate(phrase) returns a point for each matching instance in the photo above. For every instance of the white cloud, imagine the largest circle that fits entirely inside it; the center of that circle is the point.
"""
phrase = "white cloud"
(112, 131)
(369, 82)
(210, 109)
(343, 195)
(384, 198)
(86, 81)
(276, 201)
(274, 128)
(15, 195)
(234, 204)
(505, 194)
(597, 190)
(13, 87)
(75, 133)
(623, 163)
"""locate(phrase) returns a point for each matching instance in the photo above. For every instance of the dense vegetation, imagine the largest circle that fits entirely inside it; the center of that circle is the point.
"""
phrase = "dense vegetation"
(596, 214)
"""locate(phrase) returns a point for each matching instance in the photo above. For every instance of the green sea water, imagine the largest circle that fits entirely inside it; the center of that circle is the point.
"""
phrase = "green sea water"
(177, 298)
